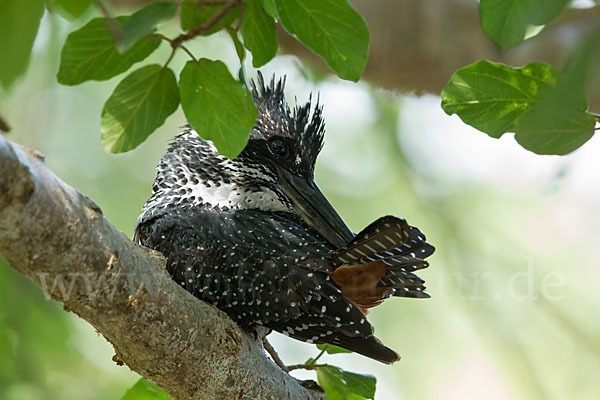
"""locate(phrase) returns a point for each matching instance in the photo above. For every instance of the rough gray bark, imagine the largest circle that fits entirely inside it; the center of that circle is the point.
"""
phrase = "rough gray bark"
(59, 238)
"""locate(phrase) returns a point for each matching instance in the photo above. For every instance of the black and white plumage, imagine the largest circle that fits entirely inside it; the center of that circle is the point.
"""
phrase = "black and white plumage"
(255, 237)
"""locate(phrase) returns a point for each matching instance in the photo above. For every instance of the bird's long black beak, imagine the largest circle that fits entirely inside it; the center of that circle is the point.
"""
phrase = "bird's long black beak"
(314, 208)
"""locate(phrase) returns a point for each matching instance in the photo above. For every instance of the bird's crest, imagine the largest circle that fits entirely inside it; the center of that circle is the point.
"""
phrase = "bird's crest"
(303, 124)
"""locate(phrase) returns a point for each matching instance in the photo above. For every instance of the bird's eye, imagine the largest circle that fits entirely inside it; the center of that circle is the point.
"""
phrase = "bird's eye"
(278, 148)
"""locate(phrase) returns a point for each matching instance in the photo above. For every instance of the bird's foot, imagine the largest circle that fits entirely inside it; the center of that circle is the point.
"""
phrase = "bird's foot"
(312, 385)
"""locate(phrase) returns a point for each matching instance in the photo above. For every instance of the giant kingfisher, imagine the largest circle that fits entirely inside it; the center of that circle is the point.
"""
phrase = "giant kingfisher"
(255, 236)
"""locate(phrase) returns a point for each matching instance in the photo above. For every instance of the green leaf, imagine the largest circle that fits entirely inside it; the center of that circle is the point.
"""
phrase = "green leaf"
(509, 22)
(330, 28)
(90, 53)
(541, 105)
(194, 13)
(344, 385)
(144, 22)
(259, 32)
(269, 6)
(239, 47)
(139, 104)
(585, 58)
(554, 129)
(19, 23)
(217, 106)
(70, 9)
(332, 349)
(491, 97)
(145, 390)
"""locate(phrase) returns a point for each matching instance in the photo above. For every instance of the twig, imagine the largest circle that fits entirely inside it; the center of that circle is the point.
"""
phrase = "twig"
(306, 366)
(312, 364)
(178, 41)
(112, 23)
(216, 17)
(269, 349)
(240, 20)
(181, 46)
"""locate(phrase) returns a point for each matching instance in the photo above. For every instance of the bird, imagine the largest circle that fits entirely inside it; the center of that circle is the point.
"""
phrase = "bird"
(256, 237)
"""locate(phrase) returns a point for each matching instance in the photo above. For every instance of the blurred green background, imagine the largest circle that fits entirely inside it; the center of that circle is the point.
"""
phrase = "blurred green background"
(515, 282)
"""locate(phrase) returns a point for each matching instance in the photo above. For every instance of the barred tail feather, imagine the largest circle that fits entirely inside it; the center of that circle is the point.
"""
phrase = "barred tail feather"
(386, 233)
(387, 252)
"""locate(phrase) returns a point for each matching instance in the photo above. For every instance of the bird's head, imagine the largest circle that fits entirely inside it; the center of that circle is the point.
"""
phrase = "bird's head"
(274, 172)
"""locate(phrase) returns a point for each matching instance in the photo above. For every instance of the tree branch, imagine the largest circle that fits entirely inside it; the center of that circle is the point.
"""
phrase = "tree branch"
(59, 238)
(212, 21)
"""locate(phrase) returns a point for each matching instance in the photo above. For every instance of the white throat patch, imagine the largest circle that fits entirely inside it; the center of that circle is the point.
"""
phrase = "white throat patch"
(231, 196)
(185, 186)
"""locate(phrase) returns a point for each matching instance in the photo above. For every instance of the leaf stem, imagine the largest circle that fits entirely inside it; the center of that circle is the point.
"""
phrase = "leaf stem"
(188, 52)
(595, 115)
(597, 118)
(319, 355)
(174, 49)
(161, 36)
